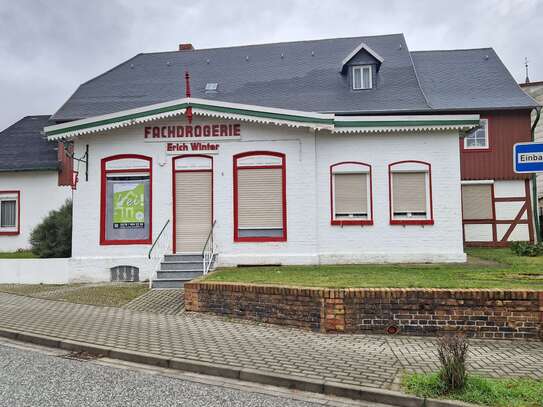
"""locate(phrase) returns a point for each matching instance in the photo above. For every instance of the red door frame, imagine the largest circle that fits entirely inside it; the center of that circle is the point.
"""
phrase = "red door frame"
(174, 197)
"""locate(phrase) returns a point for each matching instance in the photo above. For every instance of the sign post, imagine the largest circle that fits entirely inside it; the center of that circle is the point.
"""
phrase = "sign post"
(528, 158)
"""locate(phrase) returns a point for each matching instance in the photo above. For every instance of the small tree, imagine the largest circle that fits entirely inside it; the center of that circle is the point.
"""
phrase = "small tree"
(453, 352)
(53, 237)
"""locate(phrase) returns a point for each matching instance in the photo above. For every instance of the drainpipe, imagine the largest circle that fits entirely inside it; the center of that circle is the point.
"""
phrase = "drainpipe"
(534, 182)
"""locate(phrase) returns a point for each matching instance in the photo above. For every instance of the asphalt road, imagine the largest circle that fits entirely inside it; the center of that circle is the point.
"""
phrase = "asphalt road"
(35, 376)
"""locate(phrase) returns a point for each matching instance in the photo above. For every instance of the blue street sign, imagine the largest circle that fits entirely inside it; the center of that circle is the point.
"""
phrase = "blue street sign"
(528, 157)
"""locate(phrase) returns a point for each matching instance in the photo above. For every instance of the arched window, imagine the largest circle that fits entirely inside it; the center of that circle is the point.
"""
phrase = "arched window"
(410, 193)
(260, 205)
(351, 194)
(126, 200)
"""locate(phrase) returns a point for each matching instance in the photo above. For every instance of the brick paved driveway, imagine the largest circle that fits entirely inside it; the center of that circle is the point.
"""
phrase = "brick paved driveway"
(367, 360)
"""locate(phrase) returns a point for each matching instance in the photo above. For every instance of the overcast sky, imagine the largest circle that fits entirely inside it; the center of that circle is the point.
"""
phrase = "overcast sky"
(48, 48)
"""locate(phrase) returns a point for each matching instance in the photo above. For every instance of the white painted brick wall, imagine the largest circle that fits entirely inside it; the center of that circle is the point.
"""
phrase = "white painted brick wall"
(382, 241)
(40, 194)
(311, 238)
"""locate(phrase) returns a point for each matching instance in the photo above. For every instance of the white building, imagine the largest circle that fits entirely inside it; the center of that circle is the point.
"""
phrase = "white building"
(344, 150)
(280, 186)
(29, 181)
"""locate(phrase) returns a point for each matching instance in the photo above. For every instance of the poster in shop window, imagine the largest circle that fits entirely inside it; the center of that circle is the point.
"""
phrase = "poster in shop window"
(129, 205)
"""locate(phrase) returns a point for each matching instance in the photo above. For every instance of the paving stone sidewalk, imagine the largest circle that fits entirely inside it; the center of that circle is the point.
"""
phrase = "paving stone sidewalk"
(160, 301)
(366, 360)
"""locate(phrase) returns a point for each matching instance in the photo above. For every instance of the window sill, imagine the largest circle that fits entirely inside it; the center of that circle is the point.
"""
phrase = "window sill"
(259, 239)
(12, 233)
(351, 222)
(477, 150)
(411, 221)
(124, 242)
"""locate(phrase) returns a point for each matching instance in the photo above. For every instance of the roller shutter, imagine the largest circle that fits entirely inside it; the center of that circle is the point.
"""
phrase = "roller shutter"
(409, 192)
(477, 202)
(260, 198)
(350, 194)
(193, 210)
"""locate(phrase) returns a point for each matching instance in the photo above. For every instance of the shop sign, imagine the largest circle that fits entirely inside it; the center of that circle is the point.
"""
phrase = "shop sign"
(194, 147)
(198, 132)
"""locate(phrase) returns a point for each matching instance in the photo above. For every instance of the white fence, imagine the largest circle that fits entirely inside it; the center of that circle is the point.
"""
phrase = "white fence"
(34, 271)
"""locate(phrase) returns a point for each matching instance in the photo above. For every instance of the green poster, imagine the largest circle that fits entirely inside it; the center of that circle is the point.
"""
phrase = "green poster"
(128, 205)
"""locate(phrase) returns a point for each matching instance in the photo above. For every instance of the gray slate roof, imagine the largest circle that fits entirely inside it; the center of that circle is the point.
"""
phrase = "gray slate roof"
(305, 76)
(468, 79)
(23, 147)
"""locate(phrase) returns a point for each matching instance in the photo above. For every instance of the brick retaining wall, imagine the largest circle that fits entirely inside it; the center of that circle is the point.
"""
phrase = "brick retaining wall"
(498, 314)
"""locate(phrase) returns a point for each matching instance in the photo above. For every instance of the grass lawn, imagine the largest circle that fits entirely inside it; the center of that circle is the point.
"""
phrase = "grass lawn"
(21, 254)
(479, 390)
(486, 268)
(112, 295)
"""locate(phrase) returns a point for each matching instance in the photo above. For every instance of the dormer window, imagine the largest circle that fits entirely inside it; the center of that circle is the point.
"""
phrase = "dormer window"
(362, 77)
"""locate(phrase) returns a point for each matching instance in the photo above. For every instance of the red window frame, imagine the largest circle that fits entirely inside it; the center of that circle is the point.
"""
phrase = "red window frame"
(174, 195)
(104, 173)
(18, 231)
(282, 238)
(430, 219)
(488, 149)
(350, 222)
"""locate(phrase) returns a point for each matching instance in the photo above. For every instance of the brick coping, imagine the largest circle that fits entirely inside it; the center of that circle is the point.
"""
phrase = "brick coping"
(279, 289)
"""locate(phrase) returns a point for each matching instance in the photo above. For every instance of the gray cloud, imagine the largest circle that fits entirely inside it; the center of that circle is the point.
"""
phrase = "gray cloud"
(47, 48)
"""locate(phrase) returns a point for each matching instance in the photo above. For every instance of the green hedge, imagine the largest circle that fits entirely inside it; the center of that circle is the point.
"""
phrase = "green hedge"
(53, 237)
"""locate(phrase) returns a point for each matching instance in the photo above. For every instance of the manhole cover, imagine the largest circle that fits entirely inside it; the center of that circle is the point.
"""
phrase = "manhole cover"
(82, 356)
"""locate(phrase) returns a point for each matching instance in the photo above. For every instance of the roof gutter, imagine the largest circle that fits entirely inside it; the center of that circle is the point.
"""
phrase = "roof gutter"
(535, 204)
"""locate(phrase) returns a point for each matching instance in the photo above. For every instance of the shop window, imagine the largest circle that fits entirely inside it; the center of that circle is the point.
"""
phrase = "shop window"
(351, 194)
(259, 197)
(477, 202)
(126, 200)
(411, 193)
(477, 139)
(9, 212)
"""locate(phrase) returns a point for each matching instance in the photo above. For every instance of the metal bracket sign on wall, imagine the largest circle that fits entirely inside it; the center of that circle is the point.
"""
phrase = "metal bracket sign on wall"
(528, 157)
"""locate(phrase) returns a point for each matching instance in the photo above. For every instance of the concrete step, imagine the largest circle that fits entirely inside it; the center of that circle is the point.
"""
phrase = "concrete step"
(170, 283)
(181, 265)
(180, 274)
(183, 257)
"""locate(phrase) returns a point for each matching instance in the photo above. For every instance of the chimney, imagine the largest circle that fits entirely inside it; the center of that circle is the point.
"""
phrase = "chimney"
(186, 47)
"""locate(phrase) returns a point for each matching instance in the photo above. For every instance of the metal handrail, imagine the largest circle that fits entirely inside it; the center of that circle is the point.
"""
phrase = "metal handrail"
(207, 259)
(157, 239)
(209, 236)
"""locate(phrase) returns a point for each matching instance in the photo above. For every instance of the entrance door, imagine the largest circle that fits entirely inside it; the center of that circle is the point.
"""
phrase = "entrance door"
(193, 202)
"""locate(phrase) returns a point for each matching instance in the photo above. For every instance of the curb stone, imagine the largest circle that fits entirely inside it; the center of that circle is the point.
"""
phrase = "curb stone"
(245, 374)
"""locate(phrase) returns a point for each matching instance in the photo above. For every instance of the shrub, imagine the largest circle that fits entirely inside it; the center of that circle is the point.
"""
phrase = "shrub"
(452, 351)
(53, 237)
(527, 249)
